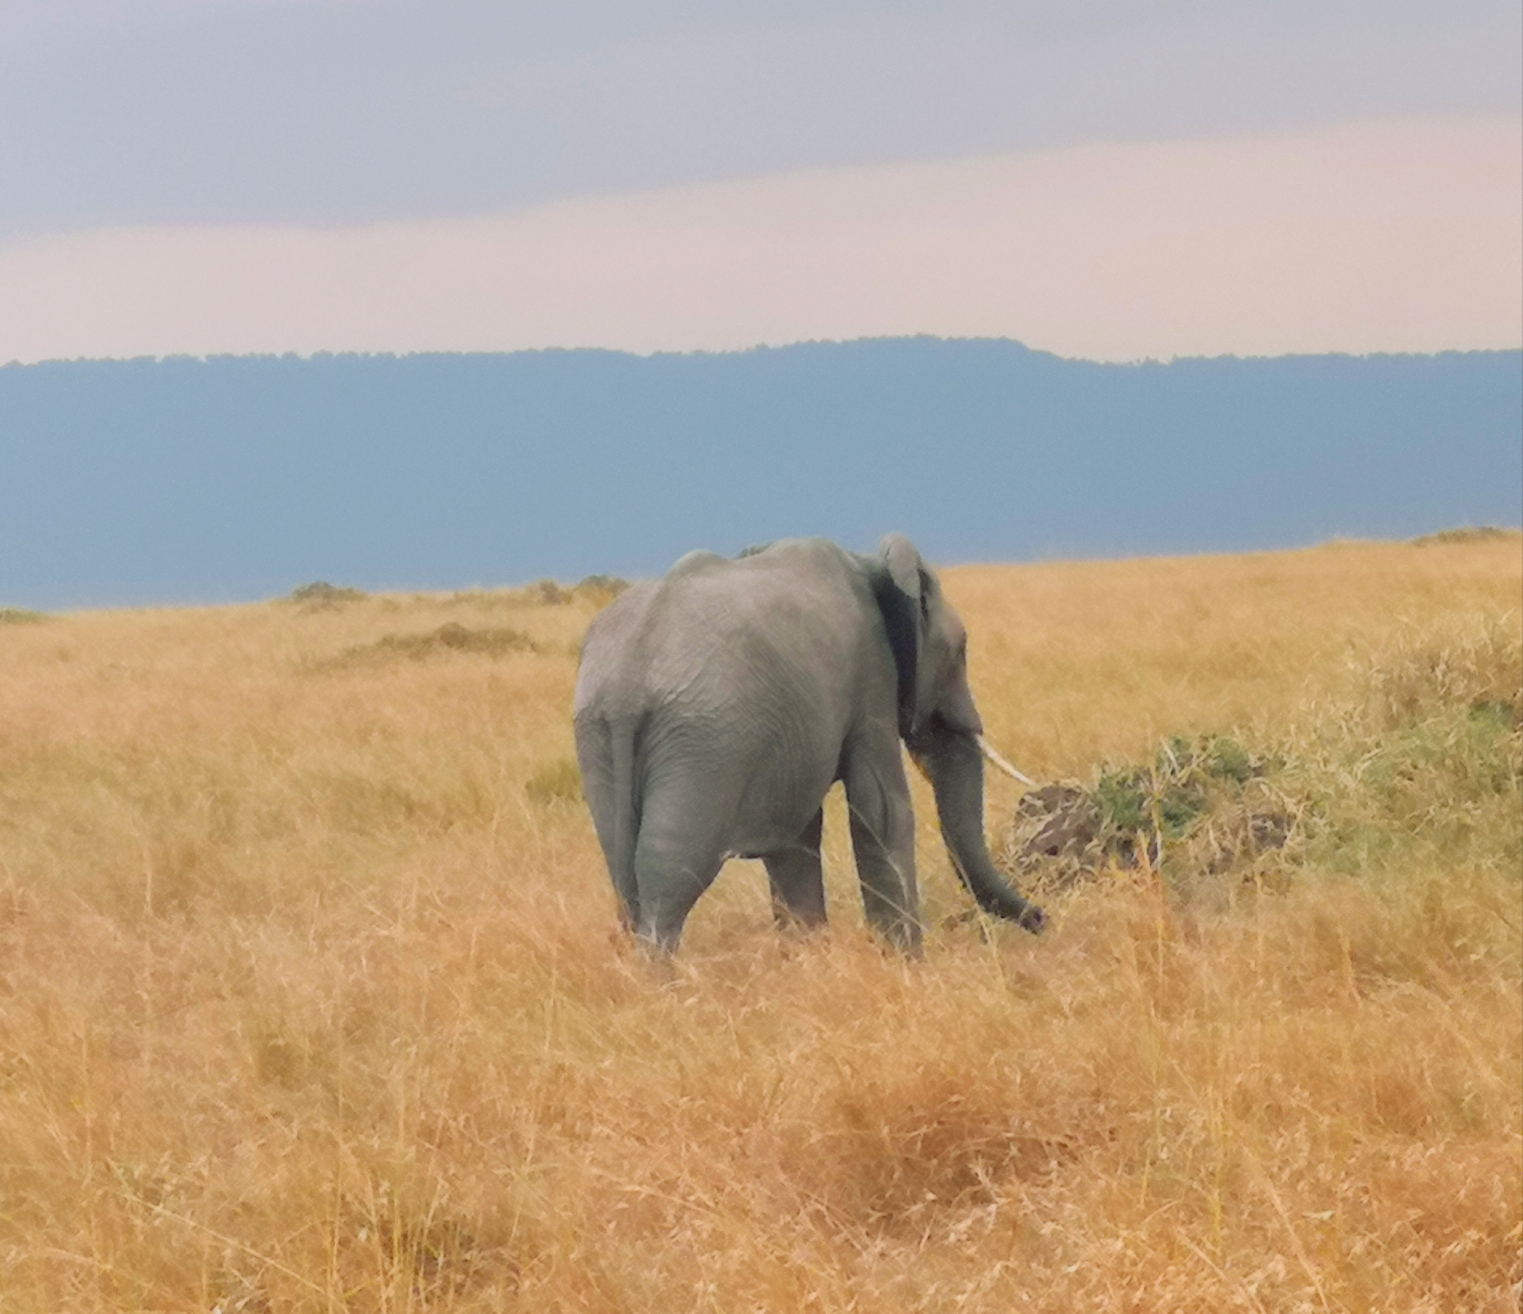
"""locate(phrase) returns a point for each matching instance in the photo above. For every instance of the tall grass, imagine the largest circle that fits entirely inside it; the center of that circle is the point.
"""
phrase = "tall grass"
(311, 996)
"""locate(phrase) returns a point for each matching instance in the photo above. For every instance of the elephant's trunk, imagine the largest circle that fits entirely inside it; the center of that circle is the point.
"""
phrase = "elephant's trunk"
(953, 763)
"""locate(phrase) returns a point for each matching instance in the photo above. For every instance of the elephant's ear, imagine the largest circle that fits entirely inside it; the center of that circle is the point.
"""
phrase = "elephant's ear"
(904, 598)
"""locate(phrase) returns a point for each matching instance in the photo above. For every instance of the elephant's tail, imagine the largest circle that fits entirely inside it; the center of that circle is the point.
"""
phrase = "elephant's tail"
(626, 819)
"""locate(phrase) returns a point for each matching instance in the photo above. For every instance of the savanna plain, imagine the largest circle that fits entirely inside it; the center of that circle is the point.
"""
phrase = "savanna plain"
(312, 996)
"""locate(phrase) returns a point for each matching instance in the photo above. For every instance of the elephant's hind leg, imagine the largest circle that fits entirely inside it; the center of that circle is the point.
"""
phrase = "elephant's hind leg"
(675, 862)
(668, 891)
(798, 880)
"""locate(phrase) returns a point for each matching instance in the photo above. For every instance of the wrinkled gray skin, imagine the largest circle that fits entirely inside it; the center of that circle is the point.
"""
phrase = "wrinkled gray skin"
(717, 705)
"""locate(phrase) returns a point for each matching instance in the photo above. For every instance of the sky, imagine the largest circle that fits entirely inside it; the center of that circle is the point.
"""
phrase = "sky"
(1118, 180)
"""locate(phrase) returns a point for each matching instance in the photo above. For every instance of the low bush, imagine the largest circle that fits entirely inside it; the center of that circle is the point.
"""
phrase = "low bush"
(1203, 807)
(323, 596)
(451, 637)
(549, 593)
(602, 587)
(1427, 755)
(1463, 534)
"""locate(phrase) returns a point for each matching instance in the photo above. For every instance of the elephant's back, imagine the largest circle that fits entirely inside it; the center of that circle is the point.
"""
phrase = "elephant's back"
(610, 649)
(712, 630)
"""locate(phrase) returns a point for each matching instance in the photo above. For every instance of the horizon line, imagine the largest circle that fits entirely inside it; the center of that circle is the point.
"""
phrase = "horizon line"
(754, 349)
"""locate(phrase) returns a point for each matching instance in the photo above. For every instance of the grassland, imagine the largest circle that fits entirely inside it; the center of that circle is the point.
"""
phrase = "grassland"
(311, 997)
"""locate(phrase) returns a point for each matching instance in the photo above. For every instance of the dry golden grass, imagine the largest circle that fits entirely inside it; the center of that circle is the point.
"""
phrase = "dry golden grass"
(311, 999)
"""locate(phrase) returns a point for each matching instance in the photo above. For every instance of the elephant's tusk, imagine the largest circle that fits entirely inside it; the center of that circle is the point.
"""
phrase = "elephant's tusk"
(1003, 765)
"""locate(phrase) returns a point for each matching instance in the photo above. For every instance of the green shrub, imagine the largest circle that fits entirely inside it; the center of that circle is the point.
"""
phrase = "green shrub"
(323, 596)
(1426, 758)
(607, 585)
(1463, 534)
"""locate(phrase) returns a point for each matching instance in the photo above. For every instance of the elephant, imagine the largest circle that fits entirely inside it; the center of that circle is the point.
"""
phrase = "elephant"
(716, 706)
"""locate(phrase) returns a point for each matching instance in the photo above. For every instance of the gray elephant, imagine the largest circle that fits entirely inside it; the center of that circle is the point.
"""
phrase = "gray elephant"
(717, 705)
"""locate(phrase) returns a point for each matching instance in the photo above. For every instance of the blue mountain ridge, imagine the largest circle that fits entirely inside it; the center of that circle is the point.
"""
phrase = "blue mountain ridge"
(230, 478)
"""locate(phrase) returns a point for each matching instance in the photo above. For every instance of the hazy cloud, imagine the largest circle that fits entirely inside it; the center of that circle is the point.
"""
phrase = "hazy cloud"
(163, 111)
(1393, 237)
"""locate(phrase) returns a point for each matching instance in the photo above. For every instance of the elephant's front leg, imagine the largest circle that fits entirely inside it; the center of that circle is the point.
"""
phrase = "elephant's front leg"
(798, 879)
(883, 838)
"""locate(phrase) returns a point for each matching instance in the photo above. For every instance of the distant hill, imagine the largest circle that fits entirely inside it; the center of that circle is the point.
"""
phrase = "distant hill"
(238, 477)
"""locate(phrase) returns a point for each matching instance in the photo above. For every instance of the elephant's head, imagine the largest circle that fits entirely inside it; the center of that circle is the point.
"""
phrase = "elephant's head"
(939, 721)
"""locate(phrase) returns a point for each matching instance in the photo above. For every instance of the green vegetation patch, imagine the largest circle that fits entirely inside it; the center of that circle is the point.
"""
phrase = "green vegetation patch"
(20, 616)
(1203, 806)
(1430, 756)
(1463, 534)
(605, 585)
(323, 596)
(1425, 760)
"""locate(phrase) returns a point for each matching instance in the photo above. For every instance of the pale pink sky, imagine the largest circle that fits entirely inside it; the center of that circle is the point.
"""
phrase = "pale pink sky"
(1388, 235)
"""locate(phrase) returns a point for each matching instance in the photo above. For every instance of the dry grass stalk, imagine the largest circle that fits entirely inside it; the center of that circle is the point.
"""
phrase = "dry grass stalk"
(310, 997)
